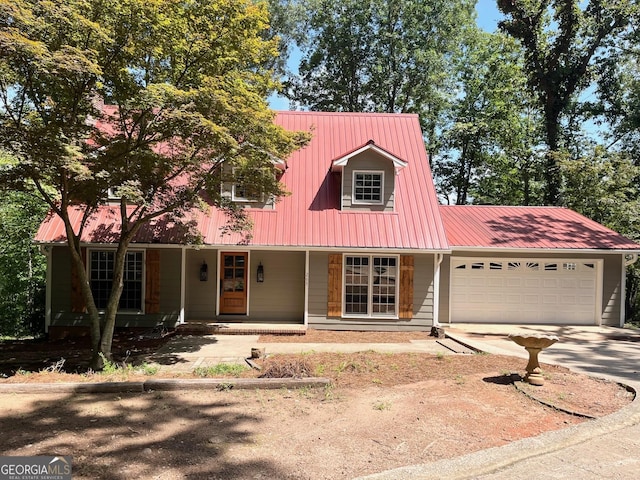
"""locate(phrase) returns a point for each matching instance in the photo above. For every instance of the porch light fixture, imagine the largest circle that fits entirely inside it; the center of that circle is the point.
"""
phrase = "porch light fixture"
(204, 272)
(260, 273)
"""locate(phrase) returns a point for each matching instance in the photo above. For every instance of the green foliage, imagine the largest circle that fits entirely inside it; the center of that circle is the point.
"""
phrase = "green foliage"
(604, 187)
(148, 369)
(22, 267)
(382, 405)
(618, 101)
(108, 367)
(562, 40)
(220, 369)
(487, 154)
(187, 83)
(379, 55)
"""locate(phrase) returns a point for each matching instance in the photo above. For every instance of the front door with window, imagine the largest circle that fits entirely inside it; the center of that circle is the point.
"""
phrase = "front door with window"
(233, 283)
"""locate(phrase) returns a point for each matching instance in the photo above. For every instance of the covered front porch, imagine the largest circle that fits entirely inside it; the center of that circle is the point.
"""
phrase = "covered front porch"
(244, 289)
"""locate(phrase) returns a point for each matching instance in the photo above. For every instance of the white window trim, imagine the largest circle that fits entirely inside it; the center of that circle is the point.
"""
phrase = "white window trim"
(371, 314)
(144, 278)
(354, 200)
(237, 198)
(111, 195)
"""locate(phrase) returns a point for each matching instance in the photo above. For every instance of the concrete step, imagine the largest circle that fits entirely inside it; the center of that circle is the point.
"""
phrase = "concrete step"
(454, 346)
(206, 328)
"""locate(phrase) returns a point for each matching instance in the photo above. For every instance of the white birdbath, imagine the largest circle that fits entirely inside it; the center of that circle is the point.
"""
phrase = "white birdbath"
(534, 344)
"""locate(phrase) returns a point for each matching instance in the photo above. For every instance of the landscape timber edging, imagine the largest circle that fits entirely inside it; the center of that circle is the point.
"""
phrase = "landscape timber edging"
(164, 384)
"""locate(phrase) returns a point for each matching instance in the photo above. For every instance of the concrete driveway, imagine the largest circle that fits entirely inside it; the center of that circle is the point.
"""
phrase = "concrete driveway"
(608, 352)
(606, 448)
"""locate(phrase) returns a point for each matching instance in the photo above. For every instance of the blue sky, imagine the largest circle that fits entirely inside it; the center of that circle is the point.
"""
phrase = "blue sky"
(488, 16)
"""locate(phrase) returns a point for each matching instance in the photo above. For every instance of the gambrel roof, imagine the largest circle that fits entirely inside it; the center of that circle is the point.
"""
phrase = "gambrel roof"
(311, 217)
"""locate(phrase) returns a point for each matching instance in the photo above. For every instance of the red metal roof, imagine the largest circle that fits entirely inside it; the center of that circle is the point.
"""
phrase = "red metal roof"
(310, 216)
(527, 227)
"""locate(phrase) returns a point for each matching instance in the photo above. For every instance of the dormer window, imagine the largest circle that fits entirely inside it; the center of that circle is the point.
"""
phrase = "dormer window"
(368, 187)
(368, 177)
(112, 195)
(242, 191)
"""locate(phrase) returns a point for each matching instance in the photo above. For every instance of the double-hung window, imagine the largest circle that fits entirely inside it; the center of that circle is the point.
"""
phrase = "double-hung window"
(371, 286)
(244, 190)
(101, 279)
(368, 187)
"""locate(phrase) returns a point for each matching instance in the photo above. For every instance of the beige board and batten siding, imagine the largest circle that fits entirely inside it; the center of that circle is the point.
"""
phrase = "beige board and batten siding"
(611, 273)
(368, 161)
(61, 288)
(200, 296)
(318, 299)
(170, 280)
(280, 298)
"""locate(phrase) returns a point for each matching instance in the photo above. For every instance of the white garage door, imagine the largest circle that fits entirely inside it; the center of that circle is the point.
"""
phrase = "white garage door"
(523, 290)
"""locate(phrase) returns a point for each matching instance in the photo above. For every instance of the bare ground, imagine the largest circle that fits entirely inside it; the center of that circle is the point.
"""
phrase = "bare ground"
(383, 411)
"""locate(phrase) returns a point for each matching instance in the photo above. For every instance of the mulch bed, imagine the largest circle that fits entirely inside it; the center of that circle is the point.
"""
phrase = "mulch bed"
(36, 355)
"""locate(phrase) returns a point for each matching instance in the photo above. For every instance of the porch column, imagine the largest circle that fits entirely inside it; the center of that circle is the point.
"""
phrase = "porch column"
(46, 250)
(183, 287)
(436, 288)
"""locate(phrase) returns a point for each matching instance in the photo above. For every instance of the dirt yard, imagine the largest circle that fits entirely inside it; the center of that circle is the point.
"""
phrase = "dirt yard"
(383, 411)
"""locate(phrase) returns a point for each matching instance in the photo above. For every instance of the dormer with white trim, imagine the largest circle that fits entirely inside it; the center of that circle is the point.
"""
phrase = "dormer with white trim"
(368, 176)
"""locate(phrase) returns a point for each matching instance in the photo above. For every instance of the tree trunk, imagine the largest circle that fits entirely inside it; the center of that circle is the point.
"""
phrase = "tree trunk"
(109, 322)
(73, 242)
(526, 184)
(551, 170)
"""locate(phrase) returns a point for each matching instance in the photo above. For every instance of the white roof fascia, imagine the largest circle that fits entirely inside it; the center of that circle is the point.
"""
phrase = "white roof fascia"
(397, 162)
(244, 248)
(490, 250)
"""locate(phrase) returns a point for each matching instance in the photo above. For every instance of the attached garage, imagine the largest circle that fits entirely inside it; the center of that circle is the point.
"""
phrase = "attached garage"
(532, 265)
(525, 290)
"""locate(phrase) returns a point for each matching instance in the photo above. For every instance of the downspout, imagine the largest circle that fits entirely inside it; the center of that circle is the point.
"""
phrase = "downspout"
(627, 259)
(306, 288)
(436, 289)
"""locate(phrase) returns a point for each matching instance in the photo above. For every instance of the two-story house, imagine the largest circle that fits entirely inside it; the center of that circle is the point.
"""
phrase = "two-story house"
(361, 243)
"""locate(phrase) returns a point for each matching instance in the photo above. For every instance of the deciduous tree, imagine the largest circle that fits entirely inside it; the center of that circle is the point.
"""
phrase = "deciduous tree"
(489, 139)
(381, 56)
(562, 40)
(22, 267)
(185, 81)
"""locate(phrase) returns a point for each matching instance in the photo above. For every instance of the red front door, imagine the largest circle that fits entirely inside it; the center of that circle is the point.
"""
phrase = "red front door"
(233, 283)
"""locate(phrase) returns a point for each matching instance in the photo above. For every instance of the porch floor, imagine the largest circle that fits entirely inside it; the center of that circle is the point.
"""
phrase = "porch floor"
(195, 327)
